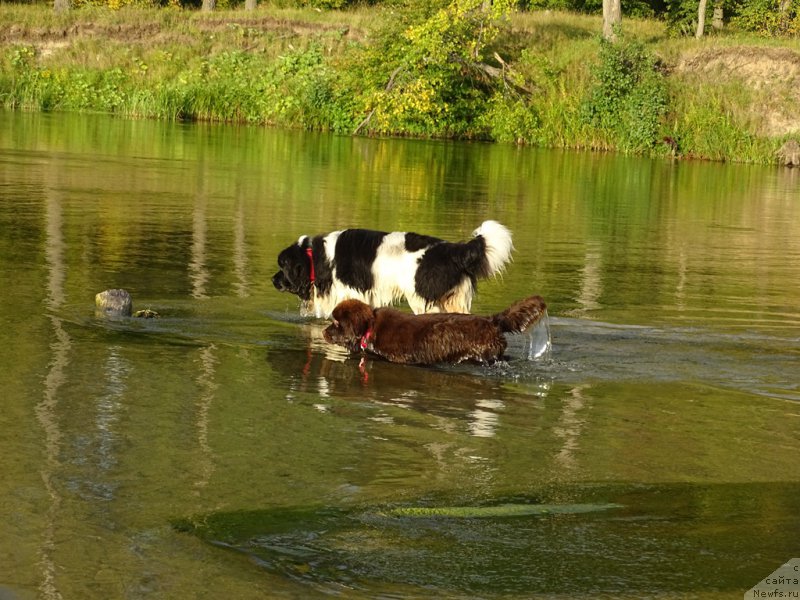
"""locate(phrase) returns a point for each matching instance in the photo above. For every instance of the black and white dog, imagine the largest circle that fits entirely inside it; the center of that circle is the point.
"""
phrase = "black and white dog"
(380, 268)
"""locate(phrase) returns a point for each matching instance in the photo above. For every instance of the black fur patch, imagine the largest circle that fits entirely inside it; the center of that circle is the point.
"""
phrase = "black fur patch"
(444, 265)
(356, 250)
(323, 274)
(415, 241)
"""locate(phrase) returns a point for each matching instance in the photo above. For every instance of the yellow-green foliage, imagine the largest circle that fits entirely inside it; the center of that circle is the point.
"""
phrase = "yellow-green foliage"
(420, 75)
(464, 69)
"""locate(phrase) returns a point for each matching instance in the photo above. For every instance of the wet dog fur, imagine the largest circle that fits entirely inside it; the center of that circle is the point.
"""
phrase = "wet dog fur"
(431, 338)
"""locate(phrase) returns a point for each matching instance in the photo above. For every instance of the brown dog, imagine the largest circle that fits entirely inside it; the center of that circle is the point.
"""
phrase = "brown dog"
(429, 338)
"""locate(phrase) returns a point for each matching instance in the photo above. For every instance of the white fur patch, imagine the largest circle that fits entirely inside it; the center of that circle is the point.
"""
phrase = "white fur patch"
(393, 271)
(324, 305)
(498, 244)
(330, 244)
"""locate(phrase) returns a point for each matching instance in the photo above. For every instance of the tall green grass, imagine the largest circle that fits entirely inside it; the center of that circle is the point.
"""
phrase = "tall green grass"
(713, 122)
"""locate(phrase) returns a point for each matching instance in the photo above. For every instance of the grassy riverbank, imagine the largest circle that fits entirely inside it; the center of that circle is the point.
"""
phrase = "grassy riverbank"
(544, 79)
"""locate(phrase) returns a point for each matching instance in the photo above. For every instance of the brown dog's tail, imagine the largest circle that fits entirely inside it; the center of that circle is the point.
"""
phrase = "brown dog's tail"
(521, 315)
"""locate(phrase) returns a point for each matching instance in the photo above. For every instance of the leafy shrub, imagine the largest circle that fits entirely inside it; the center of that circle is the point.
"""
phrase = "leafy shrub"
(425, 74)
(629, 97)
(681, 16)
(765, 17)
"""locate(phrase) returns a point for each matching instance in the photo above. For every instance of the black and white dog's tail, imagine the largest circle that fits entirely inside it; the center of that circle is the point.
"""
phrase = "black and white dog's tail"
(496, 248)
(485, 255)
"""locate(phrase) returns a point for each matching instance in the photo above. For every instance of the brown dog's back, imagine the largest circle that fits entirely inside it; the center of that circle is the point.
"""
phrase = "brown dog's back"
(450, 337)
(435, 337)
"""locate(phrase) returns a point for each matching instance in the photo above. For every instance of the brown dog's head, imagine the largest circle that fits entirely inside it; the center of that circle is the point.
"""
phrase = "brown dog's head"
(351, 321)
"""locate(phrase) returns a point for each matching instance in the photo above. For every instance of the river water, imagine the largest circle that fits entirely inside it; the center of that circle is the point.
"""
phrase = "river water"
(223, 450)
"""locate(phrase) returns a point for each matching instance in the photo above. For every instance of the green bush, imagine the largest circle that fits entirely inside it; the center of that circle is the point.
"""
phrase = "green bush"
(681, 16)
(425, 73)
(628, 99)
(765, 18)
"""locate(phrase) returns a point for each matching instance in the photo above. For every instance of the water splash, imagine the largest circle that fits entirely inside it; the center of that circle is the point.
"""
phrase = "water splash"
(537, 340)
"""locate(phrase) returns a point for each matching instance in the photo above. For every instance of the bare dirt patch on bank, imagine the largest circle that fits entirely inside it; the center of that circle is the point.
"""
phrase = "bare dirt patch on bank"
(772, 73)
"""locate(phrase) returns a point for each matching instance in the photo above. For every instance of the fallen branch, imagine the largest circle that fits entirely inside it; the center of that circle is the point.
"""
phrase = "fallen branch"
(389, 86)
(501, 73)
(492, 72)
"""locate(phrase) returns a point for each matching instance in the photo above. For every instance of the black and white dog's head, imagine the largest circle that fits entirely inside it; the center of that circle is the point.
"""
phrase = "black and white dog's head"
(295, 264)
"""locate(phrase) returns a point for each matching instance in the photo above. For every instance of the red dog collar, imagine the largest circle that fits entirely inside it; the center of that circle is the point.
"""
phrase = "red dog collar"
(365, 339)
(310, 255)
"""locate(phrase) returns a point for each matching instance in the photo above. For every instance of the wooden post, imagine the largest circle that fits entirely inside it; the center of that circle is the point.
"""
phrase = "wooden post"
(612, 18)
(718, 19)
(701, 19)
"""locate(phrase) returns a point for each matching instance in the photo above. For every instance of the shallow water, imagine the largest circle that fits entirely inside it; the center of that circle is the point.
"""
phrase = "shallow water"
(224, 448)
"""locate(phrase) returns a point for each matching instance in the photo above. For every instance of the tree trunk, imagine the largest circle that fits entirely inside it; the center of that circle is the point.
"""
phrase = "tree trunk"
(61, 6)
(250, 4)
(701, 19)
(209, 5)
(612, 18)
(717, 21)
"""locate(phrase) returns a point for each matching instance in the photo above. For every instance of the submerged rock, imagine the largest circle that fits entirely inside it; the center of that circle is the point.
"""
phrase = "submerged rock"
(118, 303)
